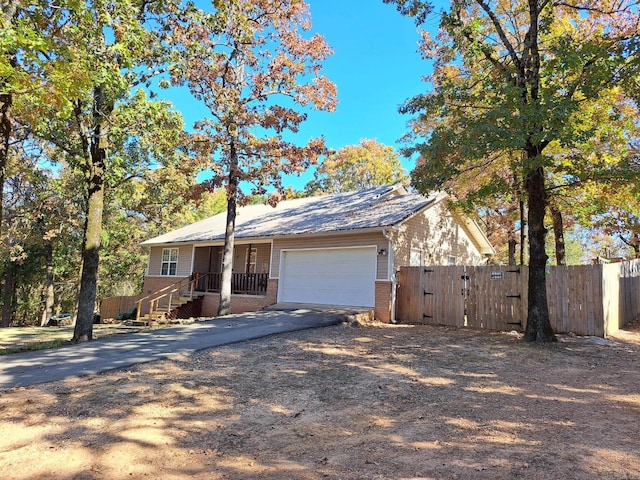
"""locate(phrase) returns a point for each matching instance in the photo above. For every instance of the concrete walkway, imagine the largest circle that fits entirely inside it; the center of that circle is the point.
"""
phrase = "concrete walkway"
(31, 368)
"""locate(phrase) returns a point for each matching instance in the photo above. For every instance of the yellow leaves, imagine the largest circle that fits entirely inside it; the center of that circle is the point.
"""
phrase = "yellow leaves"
(359, 166)
(17, 254)
(450, 72)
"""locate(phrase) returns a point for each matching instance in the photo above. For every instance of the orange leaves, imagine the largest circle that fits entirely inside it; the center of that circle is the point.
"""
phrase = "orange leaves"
(250, 63)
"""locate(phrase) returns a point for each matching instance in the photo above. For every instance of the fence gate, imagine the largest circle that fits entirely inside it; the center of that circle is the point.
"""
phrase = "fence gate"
(444, 295)
(497, 297)
(481, 297)
(432, 295)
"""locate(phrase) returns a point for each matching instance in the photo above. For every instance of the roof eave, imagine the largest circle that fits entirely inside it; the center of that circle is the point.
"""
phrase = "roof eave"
(433, 201)
(267, 238)
(479, 236)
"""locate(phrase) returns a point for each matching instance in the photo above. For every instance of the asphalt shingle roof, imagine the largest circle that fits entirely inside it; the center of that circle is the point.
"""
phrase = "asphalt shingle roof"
(373, 208)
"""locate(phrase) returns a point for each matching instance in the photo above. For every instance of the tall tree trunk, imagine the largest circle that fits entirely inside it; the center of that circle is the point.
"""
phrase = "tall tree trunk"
(97, 158)
(6, 100)
(224, 308)
(512, 243)
(7, 294)
(5, 137)
(538, 322)
(558, 234)
(523, 231)
(9, 11)
(48, 286)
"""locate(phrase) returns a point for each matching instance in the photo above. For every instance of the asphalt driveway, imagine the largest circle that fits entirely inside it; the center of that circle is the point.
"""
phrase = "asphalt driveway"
(31, 368)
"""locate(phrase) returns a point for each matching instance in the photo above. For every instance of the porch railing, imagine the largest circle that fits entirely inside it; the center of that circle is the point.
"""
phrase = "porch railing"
(168, 296)
(241, 283)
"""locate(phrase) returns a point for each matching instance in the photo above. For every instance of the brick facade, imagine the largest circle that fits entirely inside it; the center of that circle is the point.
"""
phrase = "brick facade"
(153, 284)
(383, 302)
(241, 303)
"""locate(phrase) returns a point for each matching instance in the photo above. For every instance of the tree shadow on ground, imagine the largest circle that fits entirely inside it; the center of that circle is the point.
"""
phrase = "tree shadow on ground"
(340, 402)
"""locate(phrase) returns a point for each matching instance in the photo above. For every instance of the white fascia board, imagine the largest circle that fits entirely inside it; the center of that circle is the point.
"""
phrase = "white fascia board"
(481, 238)
(165, 244)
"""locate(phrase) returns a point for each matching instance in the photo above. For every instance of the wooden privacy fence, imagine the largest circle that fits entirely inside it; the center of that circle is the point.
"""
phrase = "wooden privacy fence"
(113, 306)
(586, 300)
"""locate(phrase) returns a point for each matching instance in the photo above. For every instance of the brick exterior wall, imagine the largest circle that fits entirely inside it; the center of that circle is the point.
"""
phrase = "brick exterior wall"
(383, 302)
(241, 303)
(153, 284)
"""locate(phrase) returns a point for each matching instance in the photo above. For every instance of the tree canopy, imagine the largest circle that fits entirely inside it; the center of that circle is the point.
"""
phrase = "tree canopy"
(511, 82)
(67, 71)
(356, 167)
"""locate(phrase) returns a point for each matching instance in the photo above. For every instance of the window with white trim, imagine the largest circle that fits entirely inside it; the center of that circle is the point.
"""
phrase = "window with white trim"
(169, 265)
(451, 260)
(415, 258)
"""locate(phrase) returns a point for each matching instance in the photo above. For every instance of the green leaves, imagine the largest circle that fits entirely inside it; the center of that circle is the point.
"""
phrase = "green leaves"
(489, 100)
(418, 9)
(67, 69)
(356, 167)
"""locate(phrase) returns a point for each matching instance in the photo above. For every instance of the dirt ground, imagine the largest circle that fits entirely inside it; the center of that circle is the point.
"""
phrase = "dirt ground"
(344, 402)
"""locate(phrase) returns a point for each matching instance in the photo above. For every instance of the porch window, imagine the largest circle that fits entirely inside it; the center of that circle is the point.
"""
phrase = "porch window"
(169, 264)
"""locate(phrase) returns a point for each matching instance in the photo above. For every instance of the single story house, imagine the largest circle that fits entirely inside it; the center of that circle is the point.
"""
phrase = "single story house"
(339, 249)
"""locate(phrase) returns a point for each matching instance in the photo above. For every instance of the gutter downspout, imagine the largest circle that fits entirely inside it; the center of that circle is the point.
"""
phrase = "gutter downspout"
(393, 275)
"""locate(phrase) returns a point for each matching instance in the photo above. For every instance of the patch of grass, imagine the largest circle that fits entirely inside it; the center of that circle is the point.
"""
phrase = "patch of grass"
(44, 331)
(33, 346)
(26, 339)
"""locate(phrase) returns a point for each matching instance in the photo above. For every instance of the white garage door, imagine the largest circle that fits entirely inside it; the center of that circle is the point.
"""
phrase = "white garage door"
(340, 276)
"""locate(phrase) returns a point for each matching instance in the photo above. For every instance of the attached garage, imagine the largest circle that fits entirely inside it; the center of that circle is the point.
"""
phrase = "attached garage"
(329, 276)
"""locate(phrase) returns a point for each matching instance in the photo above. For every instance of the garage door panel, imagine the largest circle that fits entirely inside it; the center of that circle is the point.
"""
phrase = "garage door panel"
(329, 276)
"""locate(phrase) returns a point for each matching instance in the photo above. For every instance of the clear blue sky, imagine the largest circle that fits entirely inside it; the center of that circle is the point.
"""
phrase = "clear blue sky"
(376, 67)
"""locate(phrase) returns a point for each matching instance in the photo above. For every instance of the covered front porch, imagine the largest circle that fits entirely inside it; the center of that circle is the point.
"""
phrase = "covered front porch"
(251, 263)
